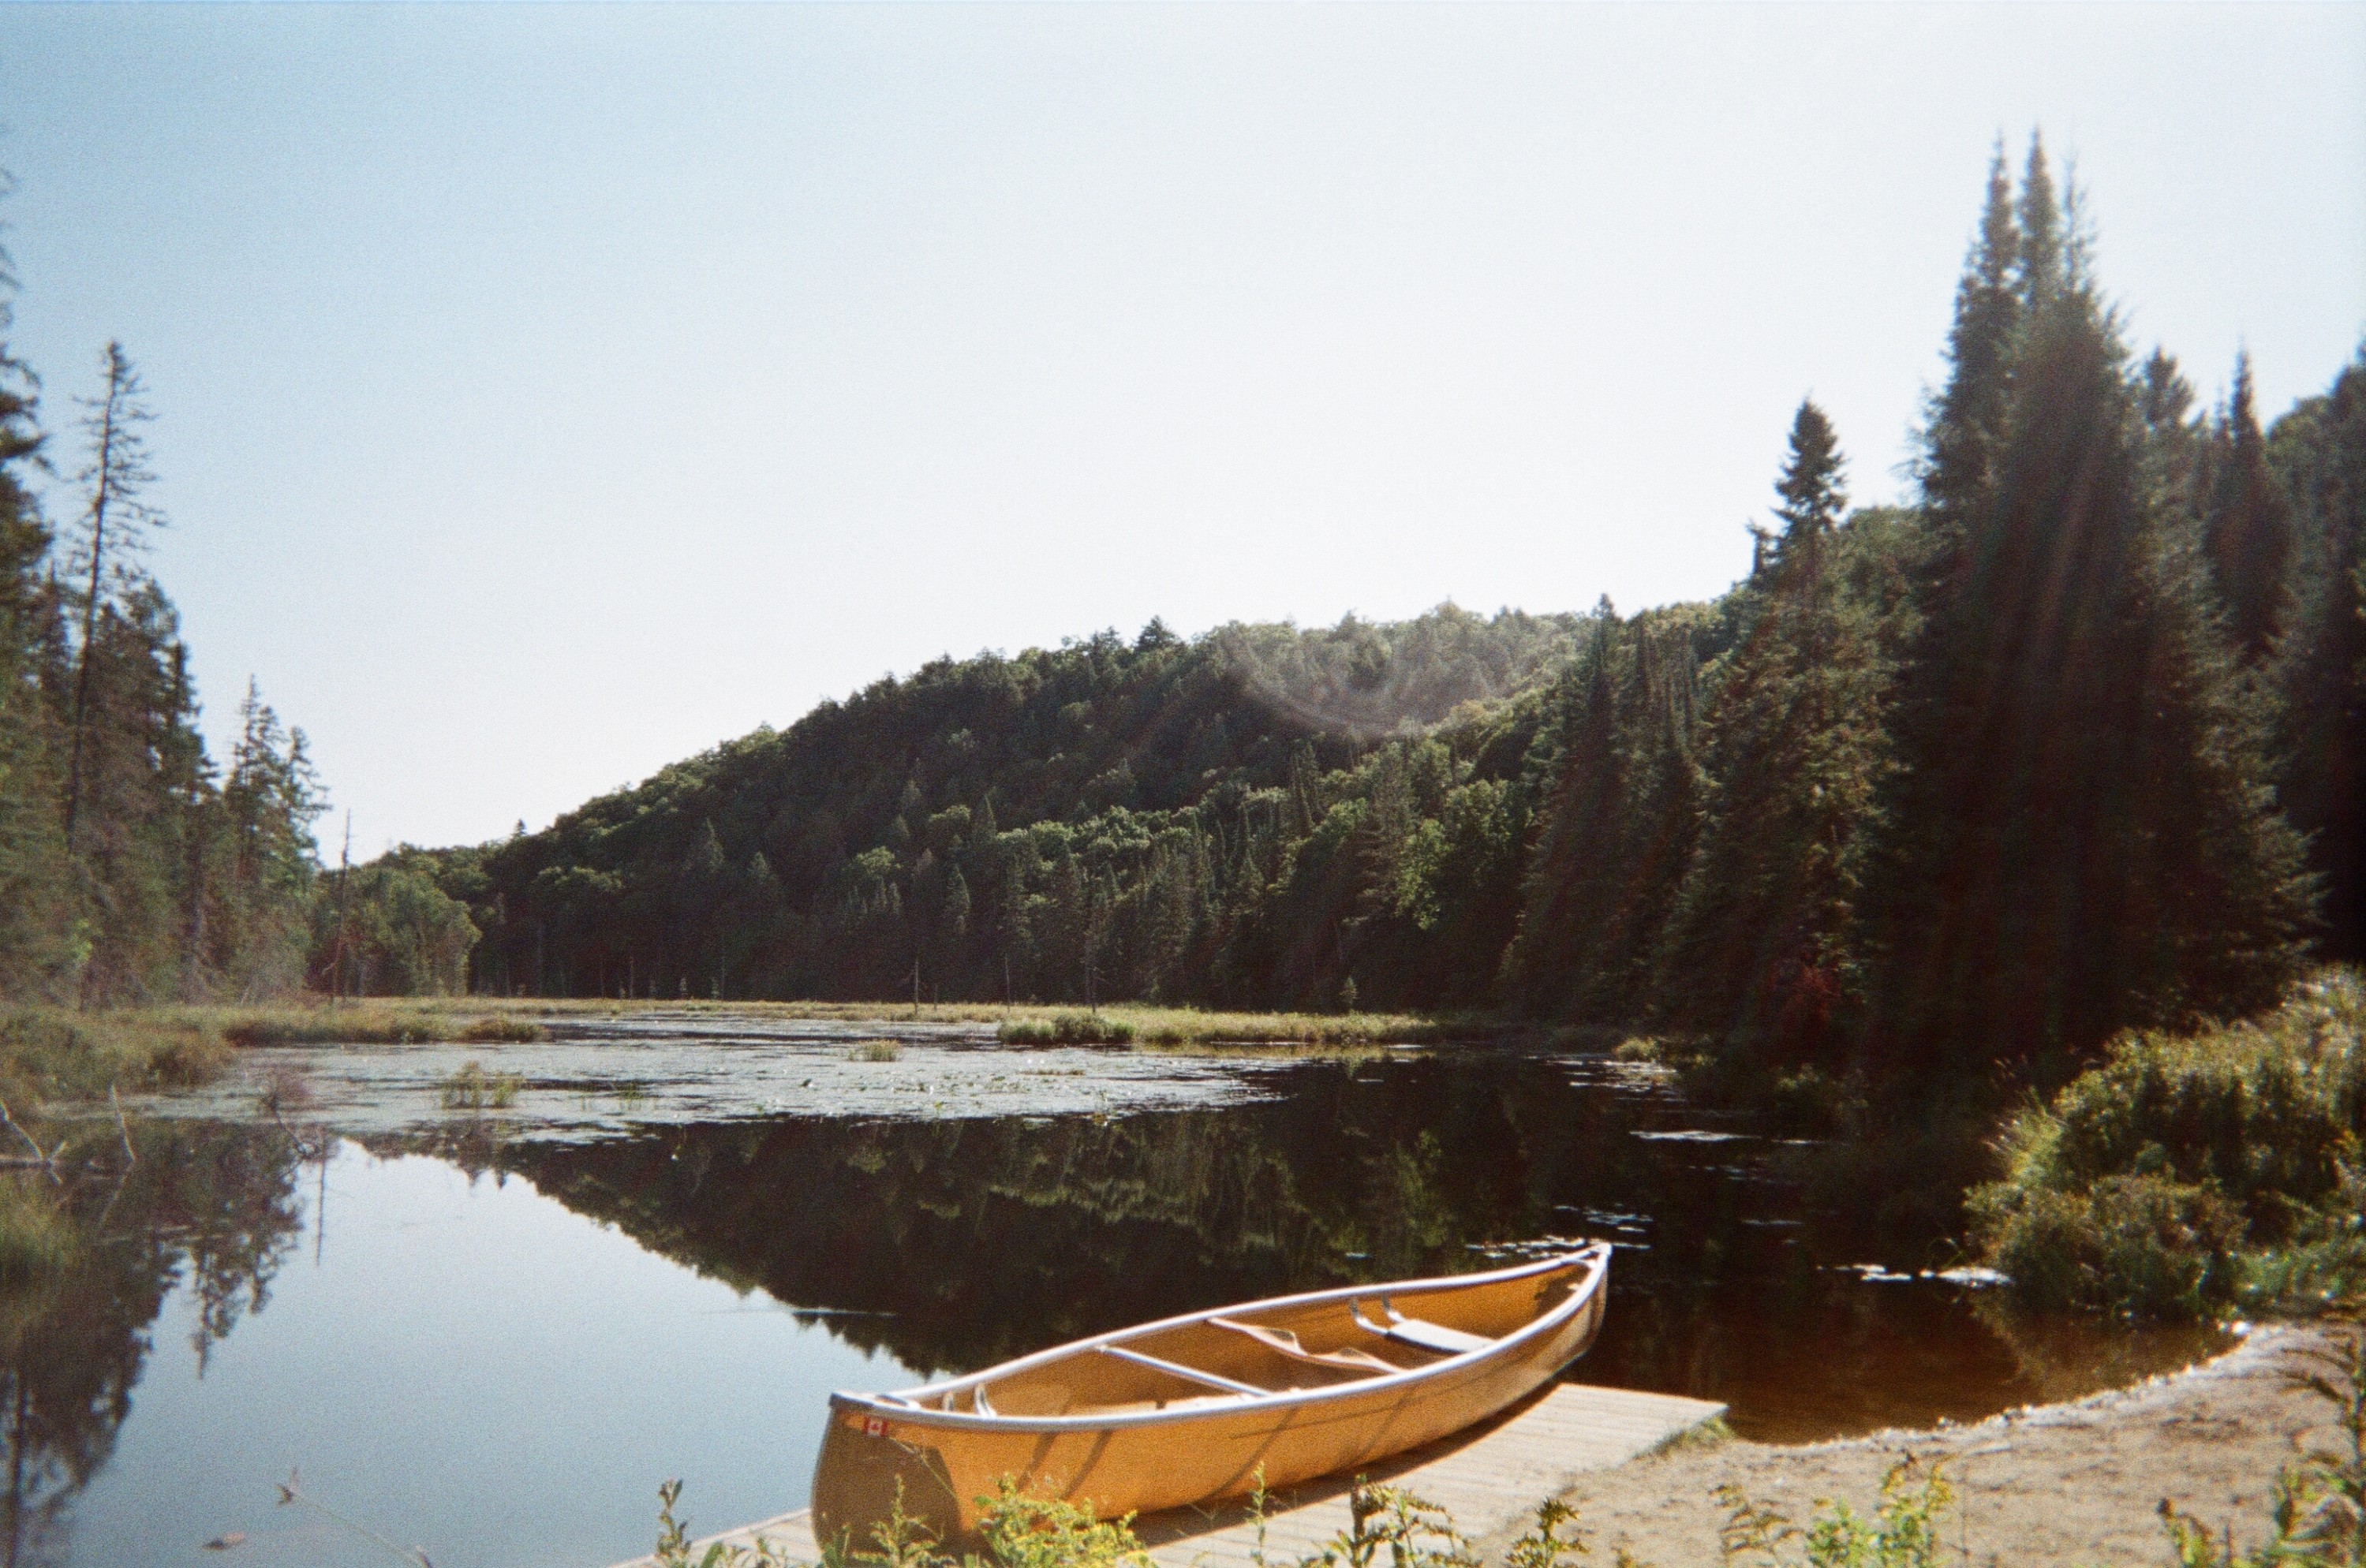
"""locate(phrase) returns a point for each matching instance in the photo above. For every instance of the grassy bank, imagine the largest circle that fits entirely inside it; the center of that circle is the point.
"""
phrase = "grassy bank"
(49, 1053)
(2192, 1174)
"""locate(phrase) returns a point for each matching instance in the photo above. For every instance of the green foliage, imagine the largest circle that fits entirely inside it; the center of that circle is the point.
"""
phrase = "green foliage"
(1390, 1524)
(876, 1050)
(387, 929)
(2189, 1171)
(1903, 1531)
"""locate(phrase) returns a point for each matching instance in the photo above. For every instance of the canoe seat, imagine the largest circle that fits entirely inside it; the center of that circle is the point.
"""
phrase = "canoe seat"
(1286, 1341)
(1434, 1337)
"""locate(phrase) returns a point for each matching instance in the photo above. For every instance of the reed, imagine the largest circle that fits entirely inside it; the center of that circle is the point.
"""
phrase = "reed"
(1186, 1028)
(474, 1089)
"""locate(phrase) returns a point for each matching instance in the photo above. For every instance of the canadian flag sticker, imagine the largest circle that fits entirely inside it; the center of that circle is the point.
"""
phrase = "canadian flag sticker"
(875, 1426)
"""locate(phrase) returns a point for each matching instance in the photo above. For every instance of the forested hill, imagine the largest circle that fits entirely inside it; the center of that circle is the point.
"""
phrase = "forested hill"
(2069, 742)
(997, 819)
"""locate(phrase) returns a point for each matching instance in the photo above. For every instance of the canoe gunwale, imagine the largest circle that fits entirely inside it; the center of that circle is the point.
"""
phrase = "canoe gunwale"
(906, 1409)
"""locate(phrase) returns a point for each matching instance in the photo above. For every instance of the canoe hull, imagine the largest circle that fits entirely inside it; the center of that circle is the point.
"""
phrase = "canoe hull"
(1202, 1456)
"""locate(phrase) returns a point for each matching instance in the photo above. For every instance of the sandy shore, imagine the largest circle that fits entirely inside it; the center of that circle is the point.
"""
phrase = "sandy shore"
(2077, 1483)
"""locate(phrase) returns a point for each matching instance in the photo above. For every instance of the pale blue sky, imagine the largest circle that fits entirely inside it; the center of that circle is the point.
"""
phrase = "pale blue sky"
(548, 393)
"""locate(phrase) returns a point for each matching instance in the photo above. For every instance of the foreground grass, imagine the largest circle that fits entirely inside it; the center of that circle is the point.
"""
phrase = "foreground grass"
(2192, 1174)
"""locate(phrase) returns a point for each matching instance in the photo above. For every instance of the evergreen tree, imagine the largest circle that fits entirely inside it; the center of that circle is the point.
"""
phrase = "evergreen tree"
(1964, 423)
(2072, 752)
(2319, 676)
(35, 912)
(2246, 532)
(1793, 737)
(112, 526)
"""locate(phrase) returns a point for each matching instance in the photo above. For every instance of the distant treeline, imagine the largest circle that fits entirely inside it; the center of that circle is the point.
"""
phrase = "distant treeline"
(2069, 745)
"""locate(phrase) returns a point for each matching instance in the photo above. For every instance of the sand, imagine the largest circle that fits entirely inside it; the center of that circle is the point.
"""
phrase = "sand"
(2073, 1483)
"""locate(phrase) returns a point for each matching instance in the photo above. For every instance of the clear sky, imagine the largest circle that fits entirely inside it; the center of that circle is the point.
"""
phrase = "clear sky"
(548, 393)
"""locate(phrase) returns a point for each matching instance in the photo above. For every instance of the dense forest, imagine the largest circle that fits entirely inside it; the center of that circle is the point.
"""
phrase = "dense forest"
(2068, 743)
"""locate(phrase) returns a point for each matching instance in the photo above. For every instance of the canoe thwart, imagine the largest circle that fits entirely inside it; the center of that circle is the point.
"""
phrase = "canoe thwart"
(1176, 1368)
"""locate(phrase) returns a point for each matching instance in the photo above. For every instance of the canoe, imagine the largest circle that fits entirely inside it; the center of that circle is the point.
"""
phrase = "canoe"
(1199, 1409)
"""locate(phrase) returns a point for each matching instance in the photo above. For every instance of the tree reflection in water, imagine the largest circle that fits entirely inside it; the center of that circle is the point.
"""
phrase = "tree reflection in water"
(955, 1243)
(86, 1266)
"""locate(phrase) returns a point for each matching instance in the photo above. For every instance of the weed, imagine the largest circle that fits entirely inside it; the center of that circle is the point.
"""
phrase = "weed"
(876, 1050)
(1902, 1532)
(474, 1089)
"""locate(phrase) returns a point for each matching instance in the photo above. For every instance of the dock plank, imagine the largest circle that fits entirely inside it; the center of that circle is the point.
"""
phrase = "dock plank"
(1489, 1476)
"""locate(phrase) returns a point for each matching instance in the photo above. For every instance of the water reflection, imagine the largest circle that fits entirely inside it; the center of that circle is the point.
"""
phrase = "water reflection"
(965, 1242)
(86, 1266)
(476, 1366)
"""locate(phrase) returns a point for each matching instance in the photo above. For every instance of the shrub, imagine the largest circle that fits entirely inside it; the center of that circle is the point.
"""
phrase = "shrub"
(2137, 1246)
(2190, 1171)
(876, 1050)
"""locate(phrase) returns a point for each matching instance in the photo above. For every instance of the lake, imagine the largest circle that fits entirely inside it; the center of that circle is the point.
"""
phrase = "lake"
(492, 1334)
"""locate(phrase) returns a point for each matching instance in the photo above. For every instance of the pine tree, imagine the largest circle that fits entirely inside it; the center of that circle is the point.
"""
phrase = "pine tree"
(35, 908)
(1791, 753)
(2319, 674)
(2246, 532)
(112, 527)
(1964, 423)
(2072, 753)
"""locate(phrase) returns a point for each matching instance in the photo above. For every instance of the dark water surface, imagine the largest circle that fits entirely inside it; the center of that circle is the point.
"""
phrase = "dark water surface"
(493, 1335)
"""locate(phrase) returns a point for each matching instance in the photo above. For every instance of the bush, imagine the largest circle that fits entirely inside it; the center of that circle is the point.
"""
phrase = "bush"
(2191, 1172)
(876, 1050)
(2136, 1246)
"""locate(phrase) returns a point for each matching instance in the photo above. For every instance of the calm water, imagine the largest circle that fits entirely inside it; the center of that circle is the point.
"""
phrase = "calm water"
(494, 1335)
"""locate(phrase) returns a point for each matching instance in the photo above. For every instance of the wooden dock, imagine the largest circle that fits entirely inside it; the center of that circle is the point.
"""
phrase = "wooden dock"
(1487, 1477)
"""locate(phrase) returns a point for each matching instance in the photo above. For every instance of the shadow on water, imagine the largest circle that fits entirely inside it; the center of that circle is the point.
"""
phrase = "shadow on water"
(953, 1244)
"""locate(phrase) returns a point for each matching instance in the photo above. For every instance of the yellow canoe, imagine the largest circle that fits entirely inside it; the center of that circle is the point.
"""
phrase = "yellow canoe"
(1193, 1409)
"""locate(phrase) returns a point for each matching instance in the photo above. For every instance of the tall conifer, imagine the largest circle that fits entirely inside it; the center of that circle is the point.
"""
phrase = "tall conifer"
(2246, 532)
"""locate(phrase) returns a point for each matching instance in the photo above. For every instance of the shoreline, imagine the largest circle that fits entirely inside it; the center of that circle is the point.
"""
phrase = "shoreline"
(2078, 1483)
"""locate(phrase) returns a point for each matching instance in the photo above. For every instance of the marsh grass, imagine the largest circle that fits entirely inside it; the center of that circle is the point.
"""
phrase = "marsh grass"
(48, 1053)
(36, 1235)
(876, 1050)
(1186, 1028)
(2192, 1173)
(474, 1089)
